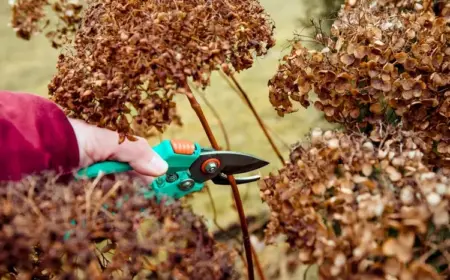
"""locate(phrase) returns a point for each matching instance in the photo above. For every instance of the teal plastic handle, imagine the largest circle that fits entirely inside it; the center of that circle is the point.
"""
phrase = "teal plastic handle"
(175, 184)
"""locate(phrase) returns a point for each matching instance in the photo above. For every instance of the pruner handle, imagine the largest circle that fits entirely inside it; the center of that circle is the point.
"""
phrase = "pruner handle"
(175, 184)
(105, 167)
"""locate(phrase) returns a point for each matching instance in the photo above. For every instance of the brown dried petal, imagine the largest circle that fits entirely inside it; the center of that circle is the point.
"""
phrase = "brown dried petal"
(400, 247)
(401, 57)
(347, 59)
(360, 52)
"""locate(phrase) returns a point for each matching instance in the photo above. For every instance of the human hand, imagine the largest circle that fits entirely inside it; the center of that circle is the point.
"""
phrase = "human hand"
(99, 144)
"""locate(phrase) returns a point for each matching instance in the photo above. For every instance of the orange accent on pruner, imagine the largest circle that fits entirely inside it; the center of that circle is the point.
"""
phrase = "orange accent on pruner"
(208, 161)
(182, 147)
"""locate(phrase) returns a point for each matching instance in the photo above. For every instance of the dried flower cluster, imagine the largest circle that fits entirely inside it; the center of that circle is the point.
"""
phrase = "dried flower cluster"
(131, 57)
(380, 64)
(395, 4)
(440, 7)
(363, 207)
(102, 230)
(29, 17)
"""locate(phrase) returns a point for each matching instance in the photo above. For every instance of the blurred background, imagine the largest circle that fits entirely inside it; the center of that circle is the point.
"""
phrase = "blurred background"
(29, 65)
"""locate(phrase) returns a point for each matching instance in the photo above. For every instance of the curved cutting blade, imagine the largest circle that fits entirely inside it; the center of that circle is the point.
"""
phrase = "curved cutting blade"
(230, 163)
(222, 179)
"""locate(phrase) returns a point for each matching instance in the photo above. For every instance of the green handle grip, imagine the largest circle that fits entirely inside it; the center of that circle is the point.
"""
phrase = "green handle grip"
(107, 167)
(175, 184)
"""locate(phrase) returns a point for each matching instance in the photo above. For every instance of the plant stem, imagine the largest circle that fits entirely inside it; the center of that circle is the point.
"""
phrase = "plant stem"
(219, 120)
(246, 238)
(258, 265)
(243, 220)
(258, 118)
(213, 205)
(284, 143)
(227, 142)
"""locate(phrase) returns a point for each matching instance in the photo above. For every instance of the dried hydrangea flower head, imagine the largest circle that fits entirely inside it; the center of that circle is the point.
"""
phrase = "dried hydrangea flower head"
(362, 207)
(131, 57)
(395, 4)
(29, 17)
(103, 229)
(440, 7)
(380, 64)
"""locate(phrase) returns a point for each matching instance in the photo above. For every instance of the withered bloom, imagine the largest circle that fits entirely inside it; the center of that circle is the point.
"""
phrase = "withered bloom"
(51, 230)
(395, 4)
(381, 63)
(362, 207)
(29, 17)
(132, 57)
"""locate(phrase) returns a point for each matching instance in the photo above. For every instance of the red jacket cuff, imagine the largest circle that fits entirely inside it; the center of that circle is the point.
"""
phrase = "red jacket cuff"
(35, 136)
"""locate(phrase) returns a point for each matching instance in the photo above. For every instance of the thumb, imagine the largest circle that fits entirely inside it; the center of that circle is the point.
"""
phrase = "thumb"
(141, 157)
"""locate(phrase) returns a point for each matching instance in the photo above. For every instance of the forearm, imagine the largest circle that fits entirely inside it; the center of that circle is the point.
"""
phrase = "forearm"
(35, 135)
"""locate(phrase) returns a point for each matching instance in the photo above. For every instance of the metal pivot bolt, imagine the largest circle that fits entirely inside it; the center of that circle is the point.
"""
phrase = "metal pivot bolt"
(211, 167)
(170, 178)
(186, 185)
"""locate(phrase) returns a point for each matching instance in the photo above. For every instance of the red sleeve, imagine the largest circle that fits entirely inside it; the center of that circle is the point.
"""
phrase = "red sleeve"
(35, 135)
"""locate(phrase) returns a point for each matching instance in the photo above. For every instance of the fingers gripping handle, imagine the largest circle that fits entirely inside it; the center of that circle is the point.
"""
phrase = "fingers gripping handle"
(105, 167)
(176, 183)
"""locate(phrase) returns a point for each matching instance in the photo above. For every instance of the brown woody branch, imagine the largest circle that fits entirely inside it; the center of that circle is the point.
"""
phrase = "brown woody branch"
(246, 238)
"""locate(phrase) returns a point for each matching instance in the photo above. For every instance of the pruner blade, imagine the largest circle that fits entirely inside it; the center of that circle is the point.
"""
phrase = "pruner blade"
(222, 179)
(230, 163)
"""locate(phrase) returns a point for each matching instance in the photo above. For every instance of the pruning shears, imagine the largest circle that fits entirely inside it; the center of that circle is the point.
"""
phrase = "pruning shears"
(190, 166)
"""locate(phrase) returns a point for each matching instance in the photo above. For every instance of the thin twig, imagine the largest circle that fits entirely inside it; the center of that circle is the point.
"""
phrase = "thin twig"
(204, 122)
(258, 118)
(102, 266)
(106, 196)
(30, 202)
(246, 194)
(219, 120)
(30, 199)
(213, 205)
(255, 256)
(242, 259)
(246, 239)
(230, 84)
(88, 197)
(258, 265)
(285, 144)
(305, 273)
